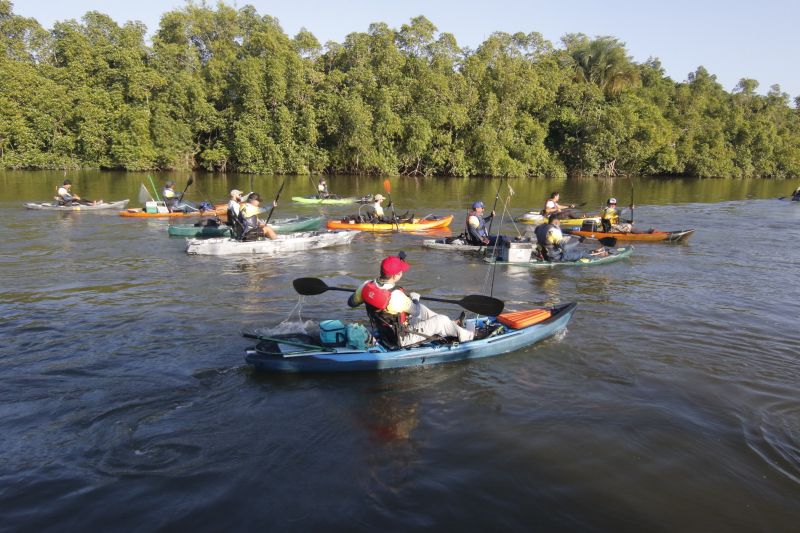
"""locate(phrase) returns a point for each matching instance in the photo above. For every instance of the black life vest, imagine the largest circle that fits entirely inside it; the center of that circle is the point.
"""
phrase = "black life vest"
(477, 235)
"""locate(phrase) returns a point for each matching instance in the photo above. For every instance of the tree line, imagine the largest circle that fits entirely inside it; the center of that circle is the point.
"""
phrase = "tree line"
(226, 89)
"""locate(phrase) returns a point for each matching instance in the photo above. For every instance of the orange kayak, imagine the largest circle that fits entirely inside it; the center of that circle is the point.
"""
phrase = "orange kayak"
(417, 224)
(655, 236)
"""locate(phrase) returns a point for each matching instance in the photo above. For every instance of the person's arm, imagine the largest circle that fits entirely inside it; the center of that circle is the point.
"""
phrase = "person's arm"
(399, 302)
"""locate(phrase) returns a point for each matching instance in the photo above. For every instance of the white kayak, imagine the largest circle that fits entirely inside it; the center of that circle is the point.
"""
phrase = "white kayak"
(52, 206)
(293, 242)
(450, 243)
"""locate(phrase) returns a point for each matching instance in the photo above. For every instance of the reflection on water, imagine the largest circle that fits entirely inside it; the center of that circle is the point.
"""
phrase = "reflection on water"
(668, 403)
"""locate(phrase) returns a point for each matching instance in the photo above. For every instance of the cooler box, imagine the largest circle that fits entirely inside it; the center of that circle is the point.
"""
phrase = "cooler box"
(589, 225)
(516, 252)
(151, 207)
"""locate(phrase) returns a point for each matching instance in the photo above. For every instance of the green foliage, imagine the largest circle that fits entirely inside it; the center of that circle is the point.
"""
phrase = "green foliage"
(225, 89)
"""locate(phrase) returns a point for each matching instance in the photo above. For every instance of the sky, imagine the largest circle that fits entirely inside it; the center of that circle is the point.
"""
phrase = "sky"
(731, 39)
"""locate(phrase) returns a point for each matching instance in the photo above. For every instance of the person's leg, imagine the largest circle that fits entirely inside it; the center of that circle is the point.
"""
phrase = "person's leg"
(269, 232)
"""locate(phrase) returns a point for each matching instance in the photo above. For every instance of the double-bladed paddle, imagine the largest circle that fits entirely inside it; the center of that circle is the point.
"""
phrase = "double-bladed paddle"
(276, 200)
(387, 186)
(188, 182)
(476, 303)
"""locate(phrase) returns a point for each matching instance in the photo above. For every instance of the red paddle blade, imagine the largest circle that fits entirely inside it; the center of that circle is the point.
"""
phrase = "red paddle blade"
(387, 186)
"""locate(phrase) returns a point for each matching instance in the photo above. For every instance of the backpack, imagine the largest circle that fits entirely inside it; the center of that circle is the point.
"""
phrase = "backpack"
(359, 337)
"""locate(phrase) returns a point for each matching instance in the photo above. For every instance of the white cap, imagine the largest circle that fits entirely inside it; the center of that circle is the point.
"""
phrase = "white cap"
(379, 197)
(236, 192)
(612, 200)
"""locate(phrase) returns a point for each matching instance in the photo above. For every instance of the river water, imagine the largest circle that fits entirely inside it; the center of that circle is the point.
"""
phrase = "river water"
(670, 402)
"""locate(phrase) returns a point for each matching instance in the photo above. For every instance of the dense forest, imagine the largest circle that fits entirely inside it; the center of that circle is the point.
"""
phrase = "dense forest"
(226, 89)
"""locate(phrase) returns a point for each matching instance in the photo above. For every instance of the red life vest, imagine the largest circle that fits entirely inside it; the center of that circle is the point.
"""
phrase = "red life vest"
(378, 298)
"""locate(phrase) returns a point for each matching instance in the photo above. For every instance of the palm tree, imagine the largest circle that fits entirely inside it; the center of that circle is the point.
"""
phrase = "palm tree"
(603, 61)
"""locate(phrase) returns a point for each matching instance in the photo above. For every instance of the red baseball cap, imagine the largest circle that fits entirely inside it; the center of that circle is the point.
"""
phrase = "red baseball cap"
(393, 265)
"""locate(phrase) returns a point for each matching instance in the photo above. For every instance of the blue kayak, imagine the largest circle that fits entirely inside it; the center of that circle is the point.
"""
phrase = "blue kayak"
(302, 353)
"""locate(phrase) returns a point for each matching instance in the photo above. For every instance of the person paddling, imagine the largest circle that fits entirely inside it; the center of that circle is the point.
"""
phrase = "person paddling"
(322, 189)
(796, 195)
(551, 206)
(399, 317)
(552, 245)
(609, 217)
(65, 196)
(251, 224)
(476, 232)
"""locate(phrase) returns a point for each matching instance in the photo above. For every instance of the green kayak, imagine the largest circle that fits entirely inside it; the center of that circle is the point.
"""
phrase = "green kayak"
(614, 254)
(286, 225)
(332, 200)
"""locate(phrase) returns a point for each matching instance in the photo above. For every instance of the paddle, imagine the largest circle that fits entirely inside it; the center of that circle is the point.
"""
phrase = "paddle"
(608, 241)
(387, 186)
(276, 200)
(476, 303)
(188, 182)
(496, 197)
(629, 179)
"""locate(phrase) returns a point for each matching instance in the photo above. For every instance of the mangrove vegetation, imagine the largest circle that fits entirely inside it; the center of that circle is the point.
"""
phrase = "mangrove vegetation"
(225, 89)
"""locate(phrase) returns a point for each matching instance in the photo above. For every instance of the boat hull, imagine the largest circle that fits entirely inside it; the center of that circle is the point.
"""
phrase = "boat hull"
(457, 246)
(49, 206)
(656, 236)
(566, 223)
(616, 254)
(313, 200)
(294, 242)
(378, 358)
(288, 225)
(417, 225)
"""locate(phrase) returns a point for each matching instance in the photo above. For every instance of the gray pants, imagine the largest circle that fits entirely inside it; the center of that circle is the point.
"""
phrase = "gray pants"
(430, 324)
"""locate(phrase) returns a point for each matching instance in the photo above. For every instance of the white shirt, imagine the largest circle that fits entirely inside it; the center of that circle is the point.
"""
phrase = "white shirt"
(378, 209)
(234, 206)
(64, 193)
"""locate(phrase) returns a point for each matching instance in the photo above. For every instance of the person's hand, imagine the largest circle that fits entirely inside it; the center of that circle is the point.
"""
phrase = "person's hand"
(414, 296)
(274, 203)
(492, 213)
(571, 206)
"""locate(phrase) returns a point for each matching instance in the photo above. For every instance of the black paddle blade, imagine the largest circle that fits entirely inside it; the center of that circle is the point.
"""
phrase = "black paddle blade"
(608, 241)
(190, 181)
(483, 305)
(309, 286)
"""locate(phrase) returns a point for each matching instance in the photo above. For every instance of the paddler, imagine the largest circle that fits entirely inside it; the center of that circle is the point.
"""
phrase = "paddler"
(397, 315)
(552, 245)
(65, 196)
(235, 204)
(378, 208)
(248, 217)
(322, 189)
(796, 195)
(609, 217)
(551, 206)
(476, 226)
(169, 196)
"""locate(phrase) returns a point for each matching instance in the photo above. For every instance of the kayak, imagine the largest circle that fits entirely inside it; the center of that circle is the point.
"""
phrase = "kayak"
(330, 200)
(137, 212)
(537, 218)
(654, 236)
(293, 242)
(303, 353)
(286, 225)
(456, 244)
(614, 254)
(418, 224)
(51, 206)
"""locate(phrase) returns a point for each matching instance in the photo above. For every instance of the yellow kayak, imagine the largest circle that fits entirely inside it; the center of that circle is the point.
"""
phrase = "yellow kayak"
(571, 223)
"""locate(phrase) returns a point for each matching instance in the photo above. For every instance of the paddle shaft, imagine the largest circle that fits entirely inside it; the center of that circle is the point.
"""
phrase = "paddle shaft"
(189, 182)
(496, 197)
(428, 298)
(158, 198)
(387, 186)
(631, 180)
(276, 201)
